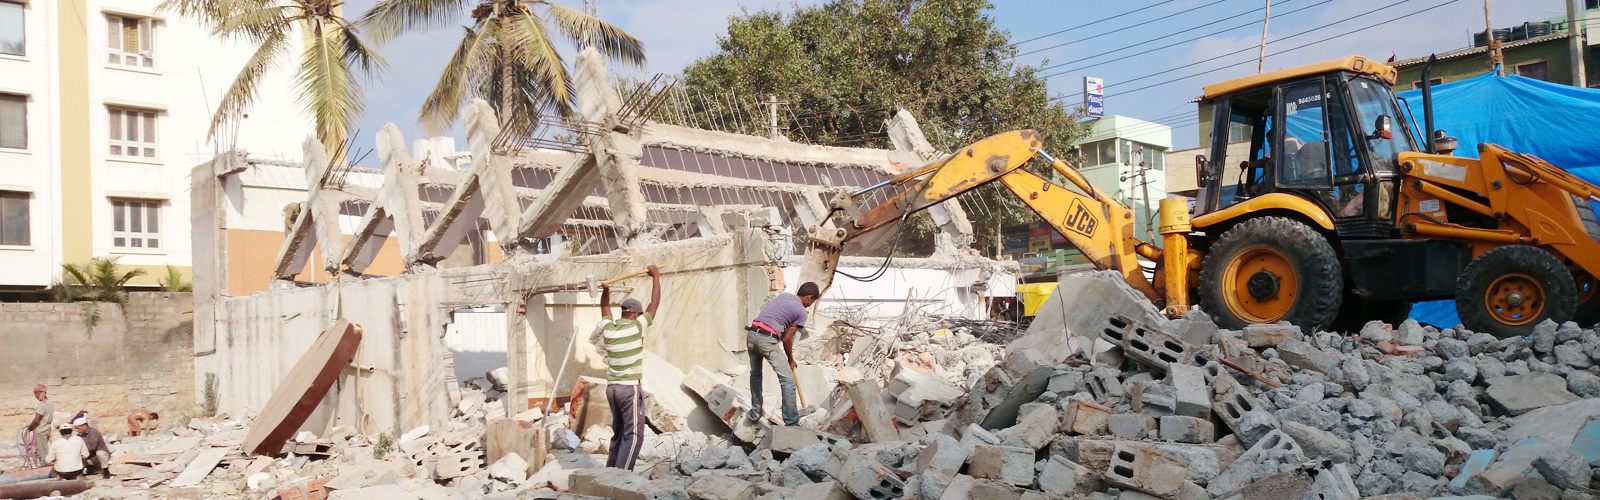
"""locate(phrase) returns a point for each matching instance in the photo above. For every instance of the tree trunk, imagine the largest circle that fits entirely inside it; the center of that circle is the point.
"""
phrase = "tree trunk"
(506, 80)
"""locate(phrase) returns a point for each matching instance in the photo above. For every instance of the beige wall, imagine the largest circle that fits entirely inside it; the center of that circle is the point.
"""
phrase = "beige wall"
(137, 356)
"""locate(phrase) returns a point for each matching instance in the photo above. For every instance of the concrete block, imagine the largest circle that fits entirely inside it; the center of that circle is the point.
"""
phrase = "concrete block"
(920, 396)
(867, 479)
(1563, 468)
(1263, 336)
(1154, 399)
(1026, 390)
(1254, 426)
(1147, 470)
(944, 455)
(1291, 485)
(1230, 407)
(454, 465)
(988, 489)
(870, 411)
(1476, 462)
(1495, 481)
(1192, 395)
(975, 435)
(1036, 426)
(1319, 443)
(1061, 477)
(1005, 463)
(1020, 362)
(826, 490)
(1181, 429)
(1084, 418)
(1518, 394)
(1130, 425)
(1334, 483)
(1060, 324)
(511, 468)
(1305, 356)
(960, 488)
(788, 439)
(1149, 346)
(1102, 383)
(1065, 382)
(712, 486)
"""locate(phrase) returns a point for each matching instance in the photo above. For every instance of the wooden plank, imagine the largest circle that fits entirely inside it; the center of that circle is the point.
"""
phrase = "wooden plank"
(503, 436)
(303, 389)
(200, 467)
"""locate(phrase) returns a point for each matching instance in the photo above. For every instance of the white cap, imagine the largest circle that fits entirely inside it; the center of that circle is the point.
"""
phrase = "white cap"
(66, 426)
(81, 421)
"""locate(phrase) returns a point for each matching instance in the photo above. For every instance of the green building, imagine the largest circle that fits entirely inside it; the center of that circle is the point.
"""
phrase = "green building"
(1542, 57)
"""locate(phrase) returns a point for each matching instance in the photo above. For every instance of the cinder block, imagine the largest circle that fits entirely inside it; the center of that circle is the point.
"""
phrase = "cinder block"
(1233, 405)
(787, 439)
(989, 489)
(1130, 425)
(454, 465)
(1010, 464)
(826, 490)
(1061, 477)
(1154, 399)
(1149, 346)
(1146, 470)
(944, 455)
(1036, 425)
(1192, 392)
(867, 479)
(1085, 418)
(1262, 336)
(1103, 384)
(1181, 429)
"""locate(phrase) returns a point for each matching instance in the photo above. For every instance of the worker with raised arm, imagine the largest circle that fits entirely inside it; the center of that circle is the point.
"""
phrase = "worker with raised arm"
(622, 342)
(771, 337)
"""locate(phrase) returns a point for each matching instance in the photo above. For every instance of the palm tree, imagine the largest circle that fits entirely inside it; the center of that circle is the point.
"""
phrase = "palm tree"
(96, 281)
(325, 76)
(505, 56)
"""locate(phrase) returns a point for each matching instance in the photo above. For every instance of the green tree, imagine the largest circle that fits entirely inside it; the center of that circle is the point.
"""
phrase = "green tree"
(92, 283)
(845, 65)
(505, 57)
(325, 77)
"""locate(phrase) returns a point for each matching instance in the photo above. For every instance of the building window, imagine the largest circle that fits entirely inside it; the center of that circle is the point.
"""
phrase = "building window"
(13, 34)
(1238, 132)
(136, 223)
(1535, 70)
(14, 218)
(13, 121)
(1435, 81)
(133, 132)
(131, 41)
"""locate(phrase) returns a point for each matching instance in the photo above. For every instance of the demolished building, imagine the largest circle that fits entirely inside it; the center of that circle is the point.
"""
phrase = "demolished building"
(514, 233)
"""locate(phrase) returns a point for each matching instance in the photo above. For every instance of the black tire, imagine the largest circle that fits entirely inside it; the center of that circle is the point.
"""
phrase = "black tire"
(1319, 283)
(1528, 286)
(1355, 312)
(1588, 313)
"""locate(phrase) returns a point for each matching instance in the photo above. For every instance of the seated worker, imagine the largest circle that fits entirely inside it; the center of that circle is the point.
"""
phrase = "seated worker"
(138, 420)
(66, 454)
(99, 453)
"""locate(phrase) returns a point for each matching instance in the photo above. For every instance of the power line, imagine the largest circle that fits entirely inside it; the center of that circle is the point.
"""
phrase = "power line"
(1231, 65)
(1175, 14)
(1174, 44)
(1091, 23)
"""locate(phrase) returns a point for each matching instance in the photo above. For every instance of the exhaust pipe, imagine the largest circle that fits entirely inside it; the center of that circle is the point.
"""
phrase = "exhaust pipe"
(1427, 103)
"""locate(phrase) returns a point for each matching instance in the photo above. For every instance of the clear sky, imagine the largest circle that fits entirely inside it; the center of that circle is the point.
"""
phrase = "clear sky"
(1154, 55)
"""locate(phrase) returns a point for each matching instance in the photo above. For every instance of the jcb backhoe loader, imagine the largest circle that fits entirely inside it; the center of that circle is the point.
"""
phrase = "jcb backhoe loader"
(1317, 204)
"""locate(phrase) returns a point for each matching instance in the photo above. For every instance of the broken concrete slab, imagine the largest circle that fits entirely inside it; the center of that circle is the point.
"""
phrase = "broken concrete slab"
(1059, 328)
(1010, 464)
(1085, 418)
(876, 420)
(1518, 394)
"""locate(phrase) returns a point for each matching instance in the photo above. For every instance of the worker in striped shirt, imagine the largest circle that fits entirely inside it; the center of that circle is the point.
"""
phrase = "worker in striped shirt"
(622, 341)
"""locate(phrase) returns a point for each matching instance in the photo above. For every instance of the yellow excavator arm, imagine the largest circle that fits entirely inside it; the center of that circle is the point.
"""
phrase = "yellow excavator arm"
(1098, 225)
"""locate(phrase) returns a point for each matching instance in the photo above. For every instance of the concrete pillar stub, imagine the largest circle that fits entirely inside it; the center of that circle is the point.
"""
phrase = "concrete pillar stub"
(318, 219)
(396, 209)
(907, 135)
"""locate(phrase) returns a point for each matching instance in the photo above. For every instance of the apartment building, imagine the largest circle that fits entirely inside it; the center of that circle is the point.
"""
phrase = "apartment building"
(104, 108)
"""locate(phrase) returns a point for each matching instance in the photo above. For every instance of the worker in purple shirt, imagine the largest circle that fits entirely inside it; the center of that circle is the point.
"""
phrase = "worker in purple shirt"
(771, 337)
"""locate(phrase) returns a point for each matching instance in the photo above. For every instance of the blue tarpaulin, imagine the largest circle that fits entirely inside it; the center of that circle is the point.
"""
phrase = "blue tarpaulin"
(1558, 123)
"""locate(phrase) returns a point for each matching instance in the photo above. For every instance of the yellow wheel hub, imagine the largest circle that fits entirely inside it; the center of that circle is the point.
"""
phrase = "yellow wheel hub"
(1514, 299)
(1262, 285)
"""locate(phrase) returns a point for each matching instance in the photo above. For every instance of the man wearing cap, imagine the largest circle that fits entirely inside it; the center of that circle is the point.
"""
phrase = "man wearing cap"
(771, 337)
(43, 413)
(99, 453)
(67, 453)
(622, 341)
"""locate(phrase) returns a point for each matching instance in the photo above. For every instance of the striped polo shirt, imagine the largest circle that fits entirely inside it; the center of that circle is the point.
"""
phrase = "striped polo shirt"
(624, 345)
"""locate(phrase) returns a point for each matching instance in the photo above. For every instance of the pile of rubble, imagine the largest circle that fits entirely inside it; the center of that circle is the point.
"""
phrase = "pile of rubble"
(1102, 398)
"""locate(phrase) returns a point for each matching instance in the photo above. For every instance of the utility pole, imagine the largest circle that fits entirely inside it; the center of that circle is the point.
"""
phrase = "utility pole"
(1495, 57)
(1144, 188)
(1261, 61)
(1576, 43)
(772, 118)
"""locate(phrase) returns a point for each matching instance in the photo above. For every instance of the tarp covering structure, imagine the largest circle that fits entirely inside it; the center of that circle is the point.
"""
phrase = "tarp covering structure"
(1558, 123)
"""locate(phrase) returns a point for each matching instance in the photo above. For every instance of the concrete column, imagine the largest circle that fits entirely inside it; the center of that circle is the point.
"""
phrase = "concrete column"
(318, 220)
(396, 209)
(954, 228)
(616, 149)
(486, 190)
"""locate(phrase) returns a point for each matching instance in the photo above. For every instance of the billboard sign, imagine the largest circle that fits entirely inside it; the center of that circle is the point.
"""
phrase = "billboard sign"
(1094, 96)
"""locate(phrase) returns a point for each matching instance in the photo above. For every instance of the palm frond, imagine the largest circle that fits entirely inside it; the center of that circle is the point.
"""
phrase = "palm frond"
(207, 11)
(247, 84)
(388, 18)
(463, 72)
(254, 24)
(528, 44)
(327, 88)
(357, 54)
(585, 29)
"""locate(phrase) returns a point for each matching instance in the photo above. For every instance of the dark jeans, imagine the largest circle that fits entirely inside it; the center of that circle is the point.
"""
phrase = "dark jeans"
(69, 474)
(627, 424)
(768, 347)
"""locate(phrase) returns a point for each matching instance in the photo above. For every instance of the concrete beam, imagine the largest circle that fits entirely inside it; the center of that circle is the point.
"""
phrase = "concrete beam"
(317, 220)
(485, 190)
(907, 135)
(557, 201)
(395, 210)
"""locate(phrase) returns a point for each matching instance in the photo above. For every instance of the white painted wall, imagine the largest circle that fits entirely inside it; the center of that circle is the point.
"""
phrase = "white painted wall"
(191, 71)
(935, 291)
